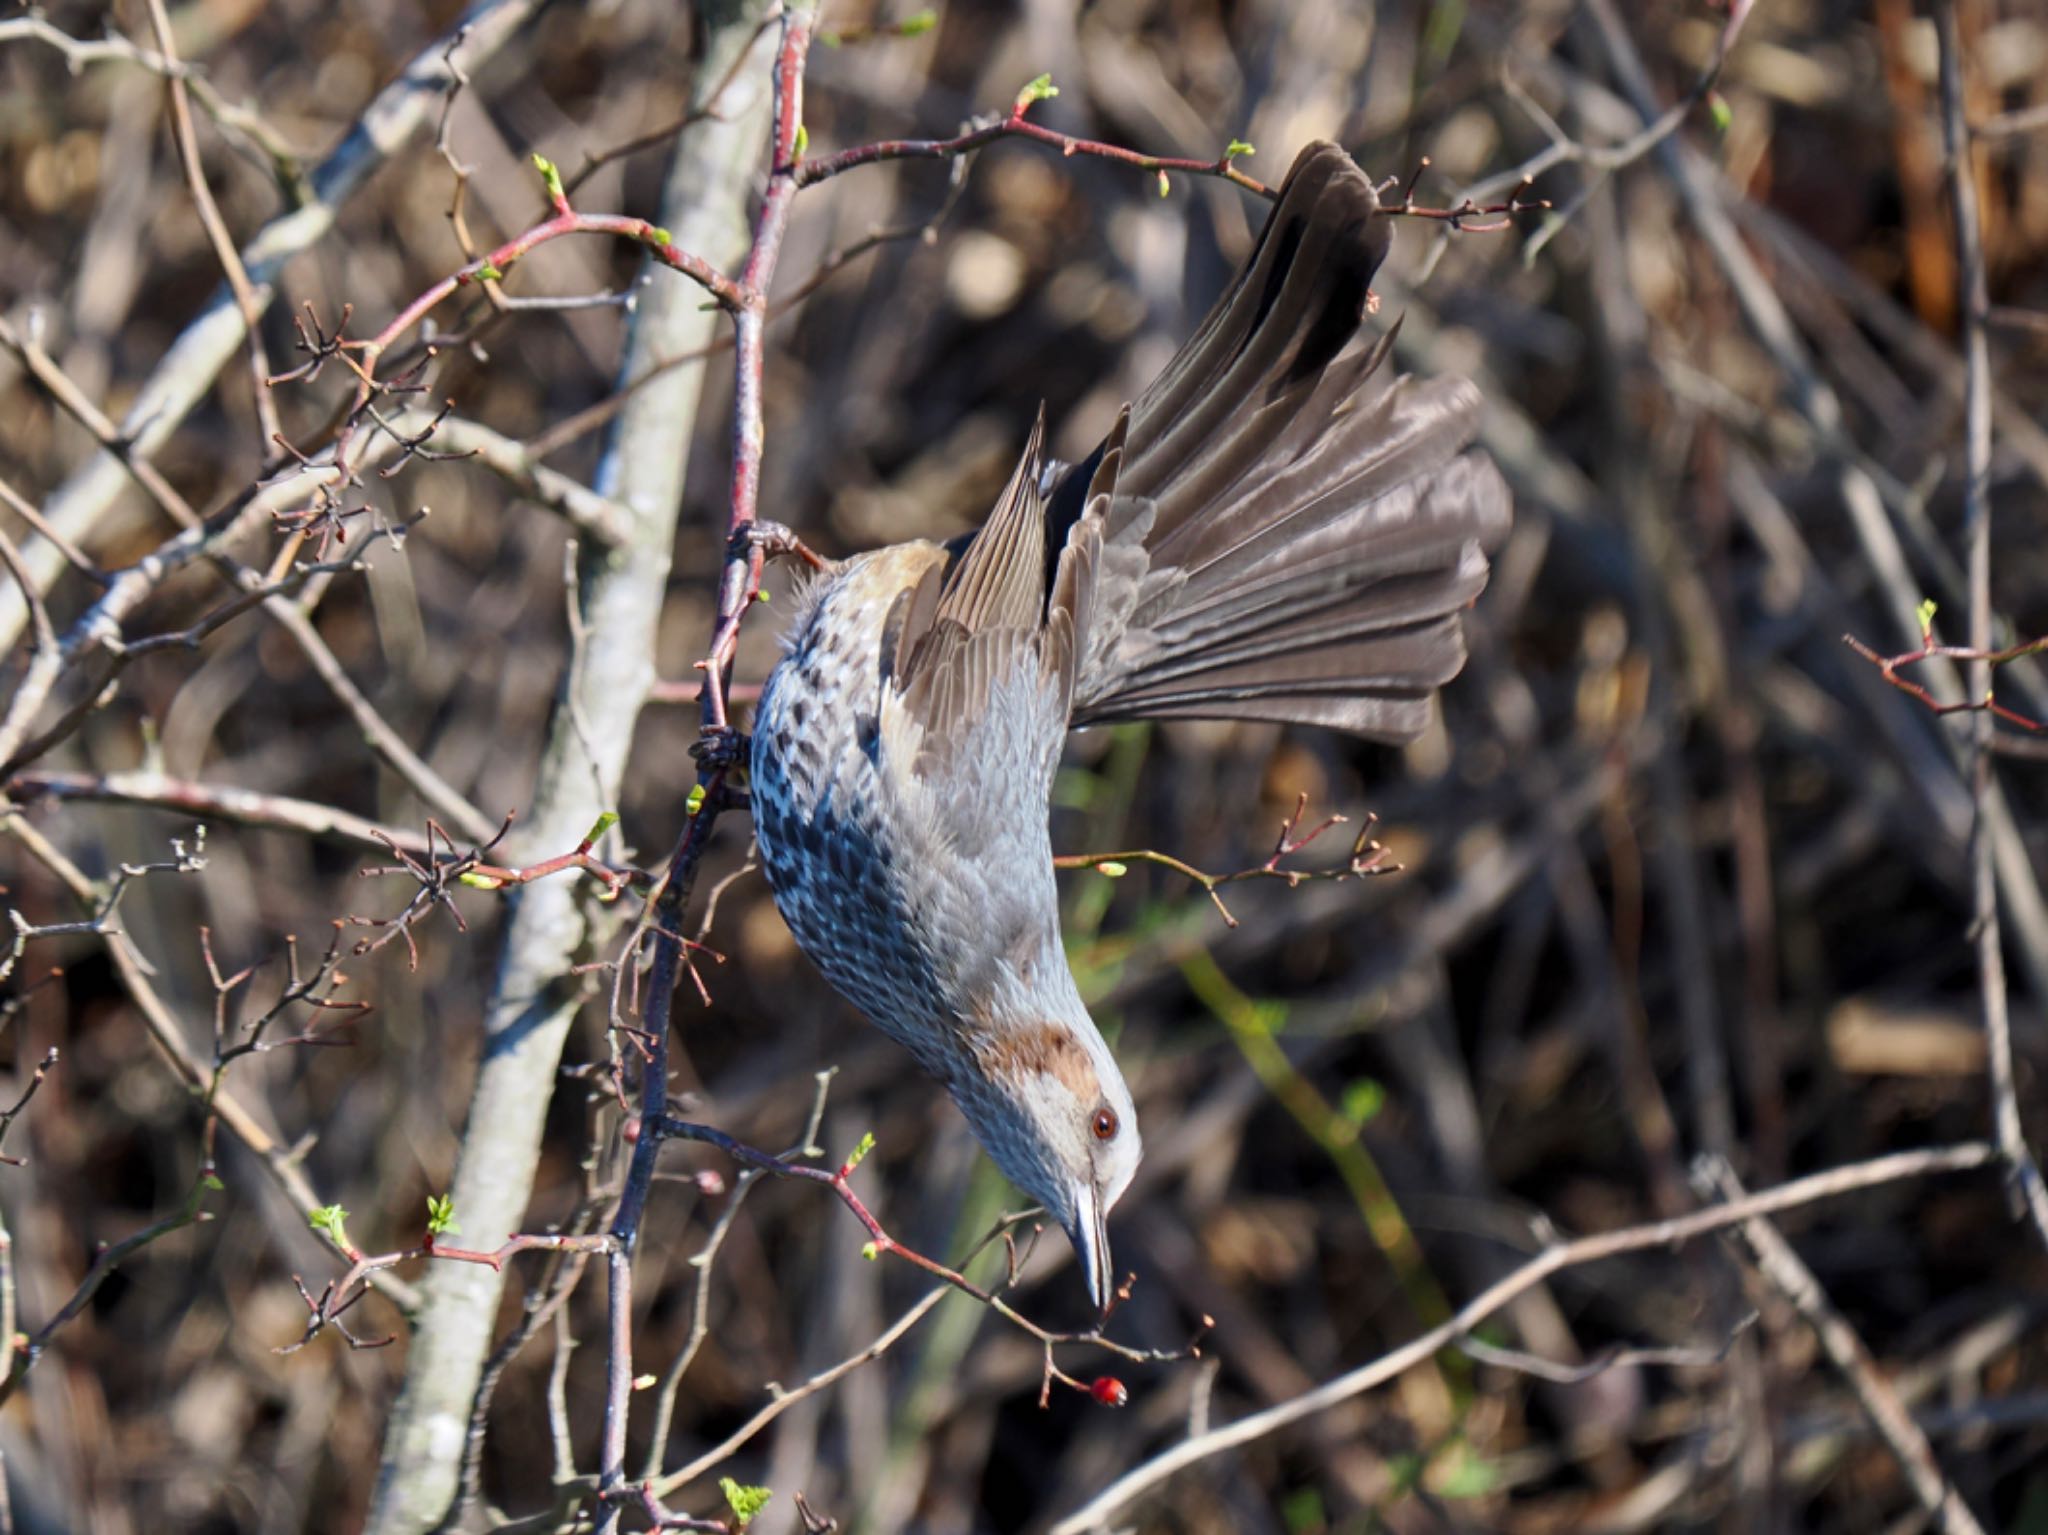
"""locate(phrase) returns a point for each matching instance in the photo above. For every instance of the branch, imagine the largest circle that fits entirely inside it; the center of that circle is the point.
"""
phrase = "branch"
(1603, 160)
(170, 1035)
(1015, 125)
(216, 228)
(1782, 1267)
(1368, 858)
(880, 1242)
(216, 802)
(391, 119)
(1930, 650)
(2029, 1194)
(1831, 1184)
(552, 925)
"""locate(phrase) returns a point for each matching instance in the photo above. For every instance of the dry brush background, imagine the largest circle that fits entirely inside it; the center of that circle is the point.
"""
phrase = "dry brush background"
(1689, 893)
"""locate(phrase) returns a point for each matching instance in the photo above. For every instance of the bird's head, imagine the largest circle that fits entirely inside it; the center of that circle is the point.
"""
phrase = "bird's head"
(1047, 1102)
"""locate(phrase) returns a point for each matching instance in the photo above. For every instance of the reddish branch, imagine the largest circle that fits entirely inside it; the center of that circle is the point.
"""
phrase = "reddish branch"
(1930, 649)
(438, 868)
(339, 1295)
(1016, 125)
(839, 1181)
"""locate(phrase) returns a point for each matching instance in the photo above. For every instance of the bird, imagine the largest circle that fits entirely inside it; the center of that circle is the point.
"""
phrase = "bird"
(1277, 529)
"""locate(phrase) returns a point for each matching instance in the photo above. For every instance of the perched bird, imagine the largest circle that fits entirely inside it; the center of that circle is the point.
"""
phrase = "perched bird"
(1277, 529)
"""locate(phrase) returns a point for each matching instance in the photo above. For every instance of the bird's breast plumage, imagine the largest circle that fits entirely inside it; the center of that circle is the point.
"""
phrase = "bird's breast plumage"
(915, 894)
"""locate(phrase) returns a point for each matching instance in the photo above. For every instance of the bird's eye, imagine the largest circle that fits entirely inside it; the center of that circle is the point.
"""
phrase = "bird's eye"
(1105, 1124)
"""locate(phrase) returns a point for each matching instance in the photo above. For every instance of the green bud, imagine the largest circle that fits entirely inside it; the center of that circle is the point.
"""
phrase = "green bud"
(745, 1502)
(441, 1215)
(1041, 89)
(549, 175)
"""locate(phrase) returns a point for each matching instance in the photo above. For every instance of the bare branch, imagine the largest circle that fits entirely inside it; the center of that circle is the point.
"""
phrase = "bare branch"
(1834, 1183)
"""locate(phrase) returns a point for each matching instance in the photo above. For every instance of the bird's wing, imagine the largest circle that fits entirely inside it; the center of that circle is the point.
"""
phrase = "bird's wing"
(975, 635)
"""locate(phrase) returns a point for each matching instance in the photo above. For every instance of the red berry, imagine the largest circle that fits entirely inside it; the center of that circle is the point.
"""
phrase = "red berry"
(1109, 1391)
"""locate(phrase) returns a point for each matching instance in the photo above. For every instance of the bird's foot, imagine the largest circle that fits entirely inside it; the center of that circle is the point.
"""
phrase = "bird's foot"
(776, 541)
(722, 746)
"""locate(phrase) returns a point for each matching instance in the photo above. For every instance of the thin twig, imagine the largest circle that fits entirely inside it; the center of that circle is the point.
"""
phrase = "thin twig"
(2030, 1195)
(1780, 1265)
(252, 304)
(1368, 858)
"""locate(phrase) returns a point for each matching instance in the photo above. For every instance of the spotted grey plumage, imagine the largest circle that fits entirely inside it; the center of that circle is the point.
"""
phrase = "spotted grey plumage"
(1277, 529)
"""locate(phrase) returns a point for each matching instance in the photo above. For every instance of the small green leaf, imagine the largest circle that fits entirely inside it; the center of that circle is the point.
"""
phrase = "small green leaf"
(1928, 608)
(745, 1502)
(441, 1216)
(1237, 148)
(1463, 1473)
(1041, 89)
(1109, 868)
(212, 1184)
(870, 1251)
(918, 24)
(331, 1219)
(550, 175)
(803, 139)
(1363, 1100)
(488, 272)
(1165, 186)
(695, 802)
(601, 825)
(1719, 112)
(477, 881)
(860, 1152)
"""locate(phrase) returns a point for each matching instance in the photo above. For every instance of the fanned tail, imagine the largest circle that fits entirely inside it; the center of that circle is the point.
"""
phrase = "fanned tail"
(1279, 529)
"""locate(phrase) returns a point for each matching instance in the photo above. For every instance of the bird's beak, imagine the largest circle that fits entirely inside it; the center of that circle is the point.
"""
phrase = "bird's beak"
(1090, 1235)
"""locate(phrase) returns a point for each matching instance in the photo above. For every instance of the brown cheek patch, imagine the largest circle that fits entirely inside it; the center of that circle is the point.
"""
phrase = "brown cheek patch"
(1043, 1047)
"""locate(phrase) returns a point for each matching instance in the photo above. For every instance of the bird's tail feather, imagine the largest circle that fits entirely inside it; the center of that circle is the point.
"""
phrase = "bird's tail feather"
(1311, 526)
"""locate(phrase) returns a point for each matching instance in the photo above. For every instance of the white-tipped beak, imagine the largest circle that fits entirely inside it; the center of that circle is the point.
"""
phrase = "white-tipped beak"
(1090, 1235)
